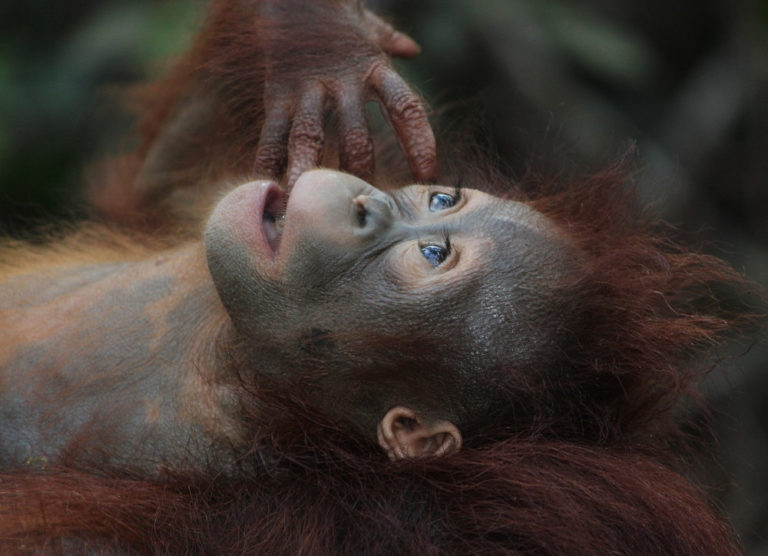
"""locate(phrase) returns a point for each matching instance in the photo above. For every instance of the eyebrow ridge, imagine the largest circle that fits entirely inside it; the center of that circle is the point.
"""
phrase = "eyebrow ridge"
(404, 206)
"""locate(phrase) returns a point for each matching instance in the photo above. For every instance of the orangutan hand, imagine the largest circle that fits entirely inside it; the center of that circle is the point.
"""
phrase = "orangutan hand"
(334, 55)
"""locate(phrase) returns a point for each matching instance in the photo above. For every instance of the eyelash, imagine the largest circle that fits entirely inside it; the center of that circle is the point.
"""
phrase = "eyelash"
(445, 249)
(455, 196)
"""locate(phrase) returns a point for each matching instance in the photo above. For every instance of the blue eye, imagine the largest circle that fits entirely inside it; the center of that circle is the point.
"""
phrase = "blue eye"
(435, 254)
(441, 201)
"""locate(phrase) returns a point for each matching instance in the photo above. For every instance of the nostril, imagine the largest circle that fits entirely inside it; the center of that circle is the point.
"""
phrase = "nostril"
(361, 211)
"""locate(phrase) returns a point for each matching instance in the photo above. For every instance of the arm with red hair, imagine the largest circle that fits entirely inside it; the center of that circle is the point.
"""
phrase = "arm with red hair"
(255, 97)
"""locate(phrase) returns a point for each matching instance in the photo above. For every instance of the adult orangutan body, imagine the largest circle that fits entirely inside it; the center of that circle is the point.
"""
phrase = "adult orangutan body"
(233, 390)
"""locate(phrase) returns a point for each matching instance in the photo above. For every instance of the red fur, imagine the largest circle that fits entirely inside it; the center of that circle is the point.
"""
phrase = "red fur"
(649, 307)
(316, 488)
(511, 497)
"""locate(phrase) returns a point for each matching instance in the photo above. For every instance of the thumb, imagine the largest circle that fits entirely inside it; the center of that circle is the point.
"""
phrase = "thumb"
(390, 40)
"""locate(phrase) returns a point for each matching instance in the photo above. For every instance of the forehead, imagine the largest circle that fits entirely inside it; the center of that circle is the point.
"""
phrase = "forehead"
(502, 235)
(511, 279)
(476, 211)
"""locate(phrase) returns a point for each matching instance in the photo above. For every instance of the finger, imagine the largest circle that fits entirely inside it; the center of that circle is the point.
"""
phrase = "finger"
(406, 113)
(305, 144)
(389, 39)
(272, 149)
(356, 156)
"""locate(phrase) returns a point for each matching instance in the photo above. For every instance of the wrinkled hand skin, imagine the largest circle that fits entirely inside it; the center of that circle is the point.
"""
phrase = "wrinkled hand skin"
(250, 98)
(334, 55)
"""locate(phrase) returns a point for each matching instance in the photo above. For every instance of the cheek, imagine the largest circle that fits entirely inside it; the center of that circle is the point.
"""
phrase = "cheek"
(227, 261)
(250, 299)
(405, 267)
(315, 270)
(409, 271)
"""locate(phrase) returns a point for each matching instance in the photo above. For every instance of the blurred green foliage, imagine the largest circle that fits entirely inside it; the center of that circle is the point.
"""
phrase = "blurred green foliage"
(61, 66)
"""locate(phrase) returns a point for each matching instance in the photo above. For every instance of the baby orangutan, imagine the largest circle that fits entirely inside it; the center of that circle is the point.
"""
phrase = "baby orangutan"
(333, 366)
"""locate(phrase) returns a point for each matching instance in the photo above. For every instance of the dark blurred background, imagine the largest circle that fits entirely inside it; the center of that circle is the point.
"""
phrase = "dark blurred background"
(686, 81)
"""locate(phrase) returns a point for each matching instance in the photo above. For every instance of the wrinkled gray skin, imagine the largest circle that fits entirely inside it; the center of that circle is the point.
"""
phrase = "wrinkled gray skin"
(352, 273)
(127, 358)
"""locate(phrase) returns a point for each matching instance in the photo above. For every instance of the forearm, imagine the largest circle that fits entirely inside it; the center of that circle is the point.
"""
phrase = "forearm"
(251, 99)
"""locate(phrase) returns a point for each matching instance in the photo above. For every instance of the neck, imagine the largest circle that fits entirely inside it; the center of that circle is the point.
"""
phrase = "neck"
(120, 310)
(120, 352)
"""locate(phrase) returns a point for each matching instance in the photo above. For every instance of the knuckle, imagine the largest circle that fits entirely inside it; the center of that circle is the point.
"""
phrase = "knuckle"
(386, 34)
(425, 168)
(357, 144)
(423, 155)
(268, 151)
(306, 132)
(268, 157)
(406, 106)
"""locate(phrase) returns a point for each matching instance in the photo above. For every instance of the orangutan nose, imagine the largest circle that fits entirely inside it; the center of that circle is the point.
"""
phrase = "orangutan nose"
(373, 213)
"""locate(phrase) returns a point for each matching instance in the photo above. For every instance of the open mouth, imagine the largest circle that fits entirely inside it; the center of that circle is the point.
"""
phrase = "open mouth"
(273, 217)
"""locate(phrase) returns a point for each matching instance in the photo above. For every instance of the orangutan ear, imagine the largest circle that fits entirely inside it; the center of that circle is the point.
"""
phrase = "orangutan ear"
(404, 434)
